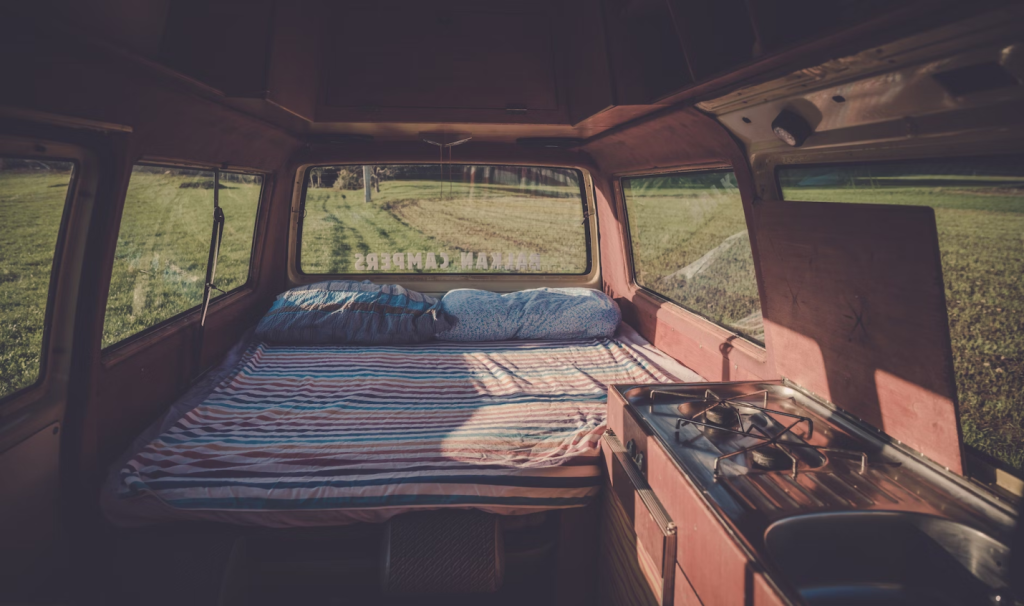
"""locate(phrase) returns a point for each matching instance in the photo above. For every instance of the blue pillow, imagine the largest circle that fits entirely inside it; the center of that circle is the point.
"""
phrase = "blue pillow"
(541, 313)
(344, 311)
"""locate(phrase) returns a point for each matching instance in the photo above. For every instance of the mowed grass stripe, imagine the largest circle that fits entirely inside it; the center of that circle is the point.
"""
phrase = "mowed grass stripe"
(671, 228)
(411, 216)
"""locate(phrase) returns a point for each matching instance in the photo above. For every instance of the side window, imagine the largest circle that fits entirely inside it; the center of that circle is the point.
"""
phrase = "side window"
(690, 245)
(33, 195)
(979, 212)
(160, 260)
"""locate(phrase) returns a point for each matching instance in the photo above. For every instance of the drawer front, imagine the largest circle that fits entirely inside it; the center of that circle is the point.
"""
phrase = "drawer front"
(713, 562)
(632, 505)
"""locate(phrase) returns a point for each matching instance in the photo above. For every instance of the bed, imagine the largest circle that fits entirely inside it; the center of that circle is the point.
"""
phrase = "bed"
(291, 436)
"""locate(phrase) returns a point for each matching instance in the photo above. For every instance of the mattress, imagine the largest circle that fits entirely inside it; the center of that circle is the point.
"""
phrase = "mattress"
(328, 435)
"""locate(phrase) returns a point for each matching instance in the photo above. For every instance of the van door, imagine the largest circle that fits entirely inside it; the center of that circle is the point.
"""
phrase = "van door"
(46, 200)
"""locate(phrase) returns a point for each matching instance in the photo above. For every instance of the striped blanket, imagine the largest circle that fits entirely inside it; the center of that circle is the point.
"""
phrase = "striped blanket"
(333, 434)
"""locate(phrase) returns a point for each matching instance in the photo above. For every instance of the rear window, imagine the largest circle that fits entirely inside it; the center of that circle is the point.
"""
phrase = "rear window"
(443, 219)
(979, 212)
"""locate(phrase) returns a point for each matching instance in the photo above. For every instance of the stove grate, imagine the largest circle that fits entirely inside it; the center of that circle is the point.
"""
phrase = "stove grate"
(711, 402)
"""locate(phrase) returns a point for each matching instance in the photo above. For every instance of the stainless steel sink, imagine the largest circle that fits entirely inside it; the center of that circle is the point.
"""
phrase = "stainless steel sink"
(881, 557)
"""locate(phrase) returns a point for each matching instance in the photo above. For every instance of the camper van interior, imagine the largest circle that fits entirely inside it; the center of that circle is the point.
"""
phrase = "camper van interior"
(548, 302)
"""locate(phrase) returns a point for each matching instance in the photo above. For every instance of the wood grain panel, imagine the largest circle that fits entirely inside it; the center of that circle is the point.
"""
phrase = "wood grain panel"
(588, 74)
(293, 72)
(224, 43)
(715, 34)
(621, 581)
(616, 408)
(677, 137)
(652, 536)
(441, 59)
(856, 312)
(715, 565)
(684, 593)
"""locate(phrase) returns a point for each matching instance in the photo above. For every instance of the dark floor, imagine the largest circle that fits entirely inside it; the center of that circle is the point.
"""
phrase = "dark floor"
(329, 566)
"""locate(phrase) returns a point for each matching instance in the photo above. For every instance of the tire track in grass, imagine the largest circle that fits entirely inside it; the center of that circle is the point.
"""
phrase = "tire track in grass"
(486, 228)
(358, 227)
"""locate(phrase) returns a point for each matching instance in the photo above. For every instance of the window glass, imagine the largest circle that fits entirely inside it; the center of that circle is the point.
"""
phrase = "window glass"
(453, 218)
(239, 199)
(32, 199)
(690, 245)
(979, 211)
(164, 241)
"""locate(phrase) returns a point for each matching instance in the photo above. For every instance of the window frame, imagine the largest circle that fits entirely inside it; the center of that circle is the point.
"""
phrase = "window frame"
(588, 277)
(56, 266)
(978, 466)
(107, 351)
(854, 161)
(32, 408)
(631, 262)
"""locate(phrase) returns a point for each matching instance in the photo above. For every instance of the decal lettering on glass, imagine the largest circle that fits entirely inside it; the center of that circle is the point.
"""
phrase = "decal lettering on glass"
(407, 261)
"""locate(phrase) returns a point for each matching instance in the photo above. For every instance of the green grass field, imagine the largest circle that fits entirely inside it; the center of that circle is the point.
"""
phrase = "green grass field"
(411, 217)
(690, 244)
(31, 207)
(160, 260)
(981, 241)
(162, 247)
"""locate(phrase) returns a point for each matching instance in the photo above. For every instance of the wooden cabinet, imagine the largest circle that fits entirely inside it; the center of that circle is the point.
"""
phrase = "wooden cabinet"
(713, 562)
(710, 566)
(248, 49)
(638, 540)
(436, 57)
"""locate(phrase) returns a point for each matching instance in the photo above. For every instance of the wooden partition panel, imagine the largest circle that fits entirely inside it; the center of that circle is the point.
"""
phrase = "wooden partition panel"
(855, 311)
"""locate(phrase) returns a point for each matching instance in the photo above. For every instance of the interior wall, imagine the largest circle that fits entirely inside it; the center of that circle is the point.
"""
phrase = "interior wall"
(169, 119)
(675, 139)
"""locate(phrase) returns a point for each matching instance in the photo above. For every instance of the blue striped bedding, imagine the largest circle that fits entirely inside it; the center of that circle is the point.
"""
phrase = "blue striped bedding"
(325, 435)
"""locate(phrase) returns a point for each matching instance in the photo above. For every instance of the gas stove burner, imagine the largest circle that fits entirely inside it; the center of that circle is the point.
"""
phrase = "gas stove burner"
(691, 408)
(770, 458)
(722, 416)
(758, 424)
(713, 414)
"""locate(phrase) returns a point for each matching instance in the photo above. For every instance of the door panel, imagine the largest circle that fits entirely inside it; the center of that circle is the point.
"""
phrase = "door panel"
(41, 249)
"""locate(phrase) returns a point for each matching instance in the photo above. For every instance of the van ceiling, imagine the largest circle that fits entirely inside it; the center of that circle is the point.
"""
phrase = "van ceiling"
(500, 70)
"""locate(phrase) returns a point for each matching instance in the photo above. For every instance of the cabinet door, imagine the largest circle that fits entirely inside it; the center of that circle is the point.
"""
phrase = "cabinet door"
(638, 540)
